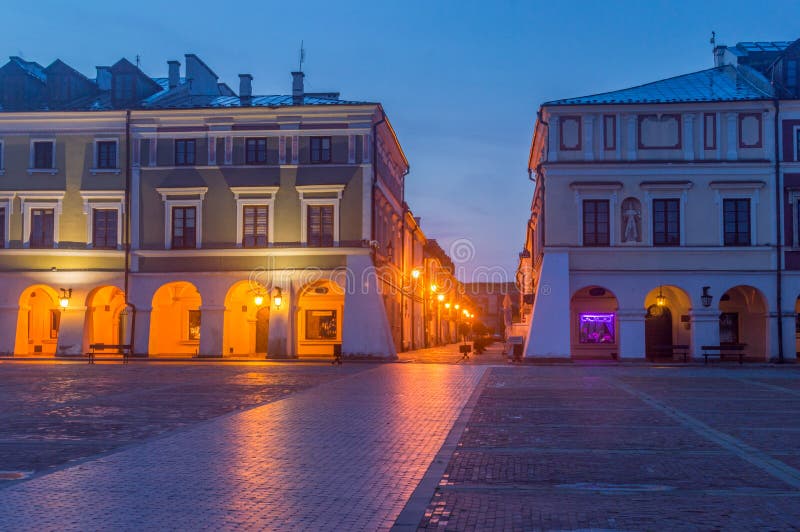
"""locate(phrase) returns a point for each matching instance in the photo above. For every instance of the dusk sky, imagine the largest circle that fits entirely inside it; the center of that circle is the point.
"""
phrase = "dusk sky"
(461, 81)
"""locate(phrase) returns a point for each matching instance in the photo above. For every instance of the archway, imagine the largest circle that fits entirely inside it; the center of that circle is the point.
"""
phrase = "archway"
(246, 320)
(320, 308)
(175, 319)
(667, 320)
(38, 321)
(743, 320)
(593, 316)
(104, 317)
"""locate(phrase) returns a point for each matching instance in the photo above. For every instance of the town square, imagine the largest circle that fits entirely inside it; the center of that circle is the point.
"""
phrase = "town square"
(400, 266)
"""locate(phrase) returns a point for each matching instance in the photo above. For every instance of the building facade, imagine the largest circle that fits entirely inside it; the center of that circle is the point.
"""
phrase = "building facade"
(666, 214)
(496, 304)
(183, 218)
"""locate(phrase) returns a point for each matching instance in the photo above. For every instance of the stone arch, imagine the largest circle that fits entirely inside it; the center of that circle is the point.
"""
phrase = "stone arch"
(593, 323)
(175, 319)
(38, 321)
(104, 317)
(320, 309)
(676, 306)
(744, 319)
(243, 310)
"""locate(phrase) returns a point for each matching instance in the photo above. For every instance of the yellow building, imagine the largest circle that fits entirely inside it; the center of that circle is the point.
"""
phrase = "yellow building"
(177, 216)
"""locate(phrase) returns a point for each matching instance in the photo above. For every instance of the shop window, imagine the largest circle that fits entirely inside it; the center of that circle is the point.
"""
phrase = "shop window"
(597, 329)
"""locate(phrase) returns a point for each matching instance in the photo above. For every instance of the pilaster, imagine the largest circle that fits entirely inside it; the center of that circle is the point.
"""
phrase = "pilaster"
(631, 333)
(212, 326)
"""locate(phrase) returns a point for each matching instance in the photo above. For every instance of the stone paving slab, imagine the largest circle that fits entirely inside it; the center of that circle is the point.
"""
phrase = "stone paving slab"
(344, 455)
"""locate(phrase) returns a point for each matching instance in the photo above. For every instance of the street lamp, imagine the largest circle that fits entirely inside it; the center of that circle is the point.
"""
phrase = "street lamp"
(415, 273)
(66, 295)
(434, 288)
(660, 300)
(258, 300)
(440, 297)
(277, 297)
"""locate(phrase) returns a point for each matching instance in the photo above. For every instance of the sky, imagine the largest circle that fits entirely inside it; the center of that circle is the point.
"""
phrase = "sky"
(461, 81)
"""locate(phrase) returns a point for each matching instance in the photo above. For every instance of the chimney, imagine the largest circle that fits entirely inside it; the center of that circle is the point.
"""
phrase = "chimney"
(174, 73)
(245, 86)
(104, 78)
(297, 88)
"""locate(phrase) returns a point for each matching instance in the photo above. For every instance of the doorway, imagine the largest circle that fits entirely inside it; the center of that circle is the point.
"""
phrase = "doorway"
(657, 331)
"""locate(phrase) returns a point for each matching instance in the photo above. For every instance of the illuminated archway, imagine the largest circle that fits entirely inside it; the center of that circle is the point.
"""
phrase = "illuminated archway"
(38, 321)
(320, 309)
(246, 320)
(175, 319)
(667, 320)
(593, 318)
(104, 314)
(743, 320)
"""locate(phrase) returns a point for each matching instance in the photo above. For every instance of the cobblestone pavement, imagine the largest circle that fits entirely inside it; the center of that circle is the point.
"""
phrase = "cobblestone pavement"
(626, 448)
(343, 455)
(449, 354)
(59, 412)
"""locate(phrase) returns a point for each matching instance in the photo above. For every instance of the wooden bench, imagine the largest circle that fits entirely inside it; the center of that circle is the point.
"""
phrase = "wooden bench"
(125, 349)
(673, 350)
(723, 350)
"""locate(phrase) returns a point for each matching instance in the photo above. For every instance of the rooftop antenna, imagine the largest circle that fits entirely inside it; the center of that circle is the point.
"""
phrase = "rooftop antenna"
(138, 61)
(713, 39)
(302, 56)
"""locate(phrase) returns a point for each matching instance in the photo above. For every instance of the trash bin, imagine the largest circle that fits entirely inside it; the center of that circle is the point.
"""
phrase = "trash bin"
(517, 352)
(514, 347)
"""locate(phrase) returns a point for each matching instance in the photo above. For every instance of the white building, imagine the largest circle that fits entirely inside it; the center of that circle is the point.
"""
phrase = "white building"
(648, 198)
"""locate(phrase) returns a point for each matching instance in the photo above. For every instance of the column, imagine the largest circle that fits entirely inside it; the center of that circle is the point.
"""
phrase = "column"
(70, 331)
(549, 333)
(688, 136)
(212, 325)
(141, 331)
(732, 137)
(365, 326)
(705, 330)
(789, 338)
(553, 139)
(630, 335)
(8, 328)
(280, 331)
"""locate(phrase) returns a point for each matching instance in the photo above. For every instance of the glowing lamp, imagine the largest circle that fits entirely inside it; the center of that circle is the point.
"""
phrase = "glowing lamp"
(447, 306)
(661, 300)
(458, 306)
(66, 295)
(258, 300)
(440, 297)
(415, 273)
(434, 288)
(277, 297)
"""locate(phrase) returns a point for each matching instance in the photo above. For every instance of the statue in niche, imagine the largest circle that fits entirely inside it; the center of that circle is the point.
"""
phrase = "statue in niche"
(631, 220)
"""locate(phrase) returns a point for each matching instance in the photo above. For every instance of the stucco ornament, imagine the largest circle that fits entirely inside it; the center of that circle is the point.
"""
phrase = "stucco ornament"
(631, 219)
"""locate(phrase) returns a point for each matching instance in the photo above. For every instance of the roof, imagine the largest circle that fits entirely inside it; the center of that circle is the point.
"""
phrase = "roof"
(720, 84)
(761, 46)
(32, 68)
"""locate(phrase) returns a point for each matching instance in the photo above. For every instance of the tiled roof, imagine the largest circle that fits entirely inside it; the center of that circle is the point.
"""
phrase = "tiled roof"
(31, 67)
(720, 84)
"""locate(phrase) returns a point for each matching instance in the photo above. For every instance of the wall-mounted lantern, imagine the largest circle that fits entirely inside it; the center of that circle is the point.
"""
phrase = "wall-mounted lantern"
(258, 300)
(415, 273)
(66, 295)
(277, 297)
(660, 299)
(706, 298)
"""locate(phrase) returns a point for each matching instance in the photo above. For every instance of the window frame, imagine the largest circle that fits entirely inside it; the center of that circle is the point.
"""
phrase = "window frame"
(736, 212)
(596, 201)
(185, 142)
(173, 219)
(602, 191)
(32, 168)
(255, 162)
(324, 195)
(2, 157)
(321, 139)
(254, 196)
(679, 232)
(34, 199)
(116, 225)
(741, 190)
(42, 207)
(166, 193)
(7, 203)
(97, 169)
(322, 243)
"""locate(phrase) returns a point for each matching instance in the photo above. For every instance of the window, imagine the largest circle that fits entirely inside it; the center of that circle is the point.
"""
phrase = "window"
(43, 154)
(256, 151)
(320, 225)
(2, 227)
(791, 73)
(320, 325)
(255, 226)
(193, 325)
(595, 223)
(596, 329)
(320, 149)
(709, 131)
(107, 154)
(736, 221)
(42, 226)
(184, 227)
(666, 222)
(609, 132)
(1, 155)
(184, 152)
(104, 230)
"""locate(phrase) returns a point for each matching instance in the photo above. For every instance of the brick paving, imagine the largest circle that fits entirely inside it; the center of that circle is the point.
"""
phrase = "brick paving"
(56, 413)
(343, 455)
(449, 354)
(626, 448)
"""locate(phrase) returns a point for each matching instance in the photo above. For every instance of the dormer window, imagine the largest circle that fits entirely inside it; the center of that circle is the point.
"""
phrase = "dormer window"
(124, 87)
(791, 73)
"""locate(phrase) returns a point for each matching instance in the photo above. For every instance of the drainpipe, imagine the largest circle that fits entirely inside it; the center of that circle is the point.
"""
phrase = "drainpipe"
(779, 224)
(127, 230)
